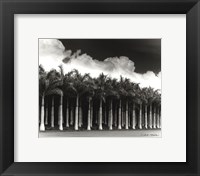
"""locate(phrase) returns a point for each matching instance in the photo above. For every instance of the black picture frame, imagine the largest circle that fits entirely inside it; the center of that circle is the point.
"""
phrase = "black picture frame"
(189, 7)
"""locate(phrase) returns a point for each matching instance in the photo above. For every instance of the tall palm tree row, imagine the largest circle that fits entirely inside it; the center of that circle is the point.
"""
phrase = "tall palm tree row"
(74, 101)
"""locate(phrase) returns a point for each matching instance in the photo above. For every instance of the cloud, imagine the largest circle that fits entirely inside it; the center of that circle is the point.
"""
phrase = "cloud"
(52, 53)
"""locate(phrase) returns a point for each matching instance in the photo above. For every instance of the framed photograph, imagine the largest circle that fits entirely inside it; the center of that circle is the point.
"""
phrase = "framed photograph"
(83, 96)
(99, 87)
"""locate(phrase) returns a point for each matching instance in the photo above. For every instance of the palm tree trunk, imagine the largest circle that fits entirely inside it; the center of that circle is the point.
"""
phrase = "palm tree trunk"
(154, 117)
(42, 127)
(46, 113)
(126, 119)
(72, 116)
(80, 122)
(140, 118)
(115, 121)
(120, 116)
(97, 115)
(133, 117)
(123, 116)
(150, 116)
(39, 113)
(106, 120)
(81, 115)
(60, 114)
(100, 115)
(76, 113)
(129, 117)
(91, 111)
(89, 118)
(158, 119)
(110, 117)
(103, 114)
(52, 113)
(67, 114)
(113, 109)
(145, 117)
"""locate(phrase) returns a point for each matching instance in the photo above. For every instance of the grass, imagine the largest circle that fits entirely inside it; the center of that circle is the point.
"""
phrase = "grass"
(82, 132)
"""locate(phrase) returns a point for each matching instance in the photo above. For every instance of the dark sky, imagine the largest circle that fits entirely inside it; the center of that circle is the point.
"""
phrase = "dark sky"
(145, 53)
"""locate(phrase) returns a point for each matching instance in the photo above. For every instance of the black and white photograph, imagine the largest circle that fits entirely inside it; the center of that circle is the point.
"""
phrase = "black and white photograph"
(99, 87)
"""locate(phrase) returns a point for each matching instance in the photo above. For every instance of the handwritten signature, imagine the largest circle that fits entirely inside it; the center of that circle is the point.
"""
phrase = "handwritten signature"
(150, 134)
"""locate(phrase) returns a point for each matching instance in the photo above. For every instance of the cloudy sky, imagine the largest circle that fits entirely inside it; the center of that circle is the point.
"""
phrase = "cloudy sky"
(137, 59)
(145, 53)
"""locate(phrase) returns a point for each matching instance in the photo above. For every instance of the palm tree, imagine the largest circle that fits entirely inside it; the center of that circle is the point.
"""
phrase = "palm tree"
(42, 88)
(144, 98)
(72, 108)
(126, 92)
(135, 100)
(52, 113)
(70, 93)
(91, 112)
(88, 92)
(111, 94)
(126, 88)
(122, 93)
(49, 84)
(140, 116)
(154, 116)
(54, 87)
(159, 116)
(131, 98)
(89, 115)
(139, 97)
(101, 97)
(67, 113)
(157, 102)
(46, 112)
(133, 116)
(60, 109)
(100, 94)
(70, 84)
(115, 97)
(120, 115)
(150, 95)
(78, 86)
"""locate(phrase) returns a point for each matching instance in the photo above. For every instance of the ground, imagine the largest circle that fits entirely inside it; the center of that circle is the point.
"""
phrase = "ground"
(103, 133)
